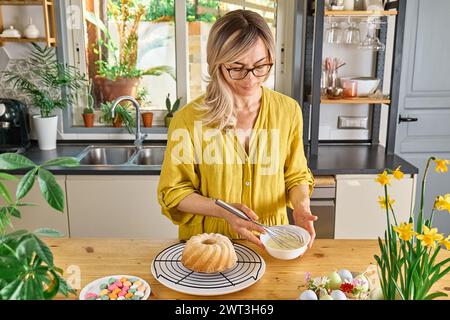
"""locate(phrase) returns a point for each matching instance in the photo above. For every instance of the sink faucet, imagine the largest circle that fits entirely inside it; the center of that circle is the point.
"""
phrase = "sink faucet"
(140, 137)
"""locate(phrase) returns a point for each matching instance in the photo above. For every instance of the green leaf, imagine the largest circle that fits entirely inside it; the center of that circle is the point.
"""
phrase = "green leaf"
(51, 190)
(62, 162)
(53, 287)
(43, 251)
(25, 250)
(13, 291)
(14, 212)
(6, 176)
(10, 267)
(46, 232)
(435, 295)
(12, 161)
(26, 183)
(64, 287)
(25, 204)
(4, 192)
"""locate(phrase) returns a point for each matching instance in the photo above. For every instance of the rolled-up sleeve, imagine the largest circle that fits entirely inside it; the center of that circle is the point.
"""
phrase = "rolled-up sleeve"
(296, 171)
(178, 174)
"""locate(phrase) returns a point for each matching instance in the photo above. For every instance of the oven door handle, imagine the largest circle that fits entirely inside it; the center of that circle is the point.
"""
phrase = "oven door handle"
(321, 203)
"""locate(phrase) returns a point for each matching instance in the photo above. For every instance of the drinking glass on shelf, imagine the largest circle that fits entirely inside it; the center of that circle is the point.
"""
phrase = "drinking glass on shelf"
(352, 34)
(333, 34)
(372, 42)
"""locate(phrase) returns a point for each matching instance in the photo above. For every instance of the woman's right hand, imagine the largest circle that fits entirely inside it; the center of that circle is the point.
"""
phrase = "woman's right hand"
(244, 227)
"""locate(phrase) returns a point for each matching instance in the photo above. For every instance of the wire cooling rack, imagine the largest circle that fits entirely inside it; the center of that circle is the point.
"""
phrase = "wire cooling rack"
(169, 271)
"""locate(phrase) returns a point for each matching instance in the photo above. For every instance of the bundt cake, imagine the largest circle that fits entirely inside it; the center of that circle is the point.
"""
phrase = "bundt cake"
(209, 253)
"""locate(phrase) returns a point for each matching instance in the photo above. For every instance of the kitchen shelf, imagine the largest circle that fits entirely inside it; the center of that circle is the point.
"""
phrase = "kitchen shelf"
(355, 101)
(22, 3)
(307, 87)
(345, 13)
(51, 40)
(49, 21)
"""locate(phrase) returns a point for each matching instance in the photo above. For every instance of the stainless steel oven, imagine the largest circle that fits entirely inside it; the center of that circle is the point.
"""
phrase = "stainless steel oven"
(323, 206)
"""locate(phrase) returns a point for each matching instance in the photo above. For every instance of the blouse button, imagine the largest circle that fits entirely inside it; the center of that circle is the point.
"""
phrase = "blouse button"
(247, 183)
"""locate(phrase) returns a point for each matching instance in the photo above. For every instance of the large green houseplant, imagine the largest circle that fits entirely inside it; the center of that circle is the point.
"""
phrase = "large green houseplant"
(408, 262)
(118, 74)
(50, 85)
(27, 269)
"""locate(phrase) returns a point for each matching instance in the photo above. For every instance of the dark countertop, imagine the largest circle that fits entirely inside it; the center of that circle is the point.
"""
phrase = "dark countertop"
(356, 159)
(331, 160)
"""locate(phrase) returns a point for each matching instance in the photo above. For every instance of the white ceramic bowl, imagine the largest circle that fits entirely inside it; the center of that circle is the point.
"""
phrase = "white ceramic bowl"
(366, 85)
(287, 254)
(94, 286)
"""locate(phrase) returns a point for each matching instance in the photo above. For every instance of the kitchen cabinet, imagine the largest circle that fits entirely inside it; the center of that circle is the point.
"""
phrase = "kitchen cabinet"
(358, 213)
(48, 17)
(116, 206)
(41, 215)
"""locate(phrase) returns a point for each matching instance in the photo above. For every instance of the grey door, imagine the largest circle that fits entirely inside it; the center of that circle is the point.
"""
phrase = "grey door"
(425, 96)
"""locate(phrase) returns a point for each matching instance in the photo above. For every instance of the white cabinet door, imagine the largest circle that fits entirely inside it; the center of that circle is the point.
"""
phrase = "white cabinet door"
(358, 213)
(41, 215)
(117, 206)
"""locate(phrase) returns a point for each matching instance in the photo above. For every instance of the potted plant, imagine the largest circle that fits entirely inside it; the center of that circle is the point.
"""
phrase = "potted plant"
(119, 75)
(171, 109)
(88, 117)
(44, 84)
(121, 116)
(88, 112)
(142, 98)
(408, 262)
(27, 269)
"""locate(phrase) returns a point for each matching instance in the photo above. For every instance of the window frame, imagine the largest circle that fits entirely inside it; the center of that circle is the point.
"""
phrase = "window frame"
(71, 41)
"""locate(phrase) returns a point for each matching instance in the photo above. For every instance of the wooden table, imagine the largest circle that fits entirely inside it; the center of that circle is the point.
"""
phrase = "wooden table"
(96, 258)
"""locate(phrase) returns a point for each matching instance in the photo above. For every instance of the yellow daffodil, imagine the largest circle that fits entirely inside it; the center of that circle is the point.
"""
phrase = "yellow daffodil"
(429, 237)
(383, 179)
(382, 201)
(443, 203)
(398, 174)
(446, 242)
(405, 231)
(441, 165)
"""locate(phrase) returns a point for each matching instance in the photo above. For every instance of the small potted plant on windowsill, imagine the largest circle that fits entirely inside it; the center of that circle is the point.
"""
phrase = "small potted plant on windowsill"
(121, 116)
(88, 117)
(88, 112)
(171, 109)
(143, 98)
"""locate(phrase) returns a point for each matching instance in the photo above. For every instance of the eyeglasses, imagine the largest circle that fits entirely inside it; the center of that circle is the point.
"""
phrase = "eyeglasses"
(241, 73)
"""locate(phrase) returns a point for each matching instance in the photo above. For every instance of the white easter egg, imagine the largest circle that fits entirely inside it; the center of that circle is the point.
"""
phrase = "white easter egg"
(362, 282)
(308, 295)
(346, 275)
(338, 295)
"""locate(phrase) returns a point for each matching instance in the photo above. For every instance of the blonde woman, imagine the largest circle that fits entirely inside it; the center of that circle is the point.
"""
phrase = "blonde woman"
(240, 142)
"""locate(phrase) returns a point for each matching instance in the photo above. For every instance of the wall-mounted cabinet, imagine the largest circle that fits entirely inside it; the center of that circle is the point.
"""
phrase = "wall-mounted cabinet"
(48, 11)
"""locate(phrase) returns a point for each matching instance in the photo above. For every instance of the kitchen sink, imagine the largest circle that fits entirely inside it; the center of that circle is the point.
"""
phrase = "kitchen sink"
(121, 156)
(106, 155)
(149, 156)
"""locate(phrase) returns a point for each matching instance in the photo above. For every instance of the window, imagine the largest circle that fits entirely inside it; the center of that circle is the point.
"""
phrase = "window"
(201, 15)
(158, 52)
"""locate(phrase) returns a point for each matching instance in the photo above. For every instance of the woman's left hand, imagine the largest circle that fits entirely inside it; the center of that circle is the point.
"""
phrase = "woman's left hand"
(303, 218)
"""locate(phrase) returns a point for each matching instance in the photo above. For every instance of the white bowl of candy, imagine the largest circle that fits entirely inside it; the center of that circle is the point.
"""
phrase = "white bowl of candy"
(116, 287)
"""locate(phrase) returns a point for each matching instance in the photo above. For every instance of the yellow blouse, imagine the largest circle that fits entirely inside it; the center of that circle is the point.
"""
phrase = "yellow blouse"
(215, 164)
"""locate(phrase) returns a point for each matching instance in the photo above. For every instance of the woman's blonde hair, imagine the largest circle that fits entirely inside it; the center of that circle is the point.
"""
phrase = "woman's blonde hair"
(229, 39)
